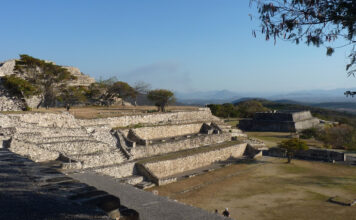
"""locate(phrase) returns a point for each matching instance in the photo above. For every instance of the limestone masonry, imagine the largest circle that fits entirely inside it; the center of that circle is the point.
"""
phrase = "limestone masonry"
(114, 146)
(279, 121)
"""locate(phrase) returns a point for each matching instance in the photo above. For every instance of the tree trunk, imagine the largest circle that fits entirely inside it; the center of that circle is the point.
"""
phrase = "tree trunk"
(289, 155)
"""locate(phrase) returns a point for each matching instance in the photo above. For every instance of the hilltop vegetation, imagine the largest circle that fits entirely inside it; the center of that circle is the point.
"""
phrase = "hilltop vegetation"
(242, 110)
(55, 85)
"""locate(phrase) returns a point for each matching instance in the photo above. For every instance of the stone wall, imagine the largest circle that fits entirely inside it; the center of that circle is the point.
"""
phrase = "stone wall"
(201, 115)
(279, 122)
(301, 116)
(311, 154)
(301, 125)
(177, 145)
(167, 168)
(7, 67)
(32, 151)
(82, 79)
(8, 102)
(167, 131)
(278, 126)
(64, 120)
(119, 171)
(321, 154)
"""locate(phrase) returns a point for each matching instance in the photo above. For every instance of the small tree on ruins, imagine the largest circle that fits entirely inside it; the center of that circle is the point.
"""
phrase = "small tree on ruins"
(161, 98)
(73, 95)
(45, 75)
(120, 90)
(293, 145)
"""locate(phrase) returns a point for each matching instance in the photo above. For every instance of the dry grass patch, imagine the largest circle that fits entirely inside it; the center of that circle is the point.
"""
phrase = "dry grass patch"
(271, 189)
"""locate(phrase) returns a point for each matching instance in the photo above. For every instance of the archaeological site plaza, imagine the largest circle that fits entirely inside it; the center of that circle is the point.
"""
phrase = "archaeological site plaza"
(137, 151)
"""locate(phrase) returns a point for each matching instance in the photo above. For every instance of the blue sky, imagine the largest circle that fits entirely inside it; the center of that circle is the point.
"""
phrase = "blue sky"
(184, 45)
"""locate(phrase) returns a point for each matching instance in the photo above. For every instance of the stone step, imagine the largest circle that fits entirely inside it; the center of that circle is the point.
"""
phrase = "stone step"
(83, 147)
(116, 170)
(132, 180)
(225, 126)
(53, 131)
(235, 130)
(48, 140)
(145, 185)
(100, 159)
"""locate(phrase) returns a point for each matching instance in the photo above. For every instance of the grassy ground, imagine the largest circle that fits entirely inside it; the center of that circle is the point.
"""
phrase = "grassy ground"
(271, 139)
(270, 189)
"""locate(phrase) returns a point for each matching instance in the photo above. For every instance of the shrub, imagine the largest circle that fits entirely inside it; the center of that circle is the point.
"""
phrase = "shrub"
(19, 87)
(310, 133)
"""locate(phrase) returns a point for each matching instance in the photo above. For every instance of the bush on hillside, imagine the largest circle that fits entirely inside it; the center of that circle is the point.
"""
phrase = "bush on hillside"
(224, 111)
(249, 108)
(19, 87)
(310, 133)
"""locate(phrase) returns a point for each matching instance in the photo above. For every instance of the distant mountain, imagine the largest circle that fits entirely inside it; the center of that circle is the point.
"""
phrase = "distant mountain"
(316, 96)
(304, 97)
(237, 101)
(207, 95)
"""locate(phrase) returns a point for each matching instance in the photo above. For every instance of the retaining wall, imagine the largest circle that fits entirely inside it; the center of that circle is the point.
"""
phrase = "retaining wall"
(64, 120)
(177, 145)
(311, 154)
(167, 131)
(166, 168)
(203, 114)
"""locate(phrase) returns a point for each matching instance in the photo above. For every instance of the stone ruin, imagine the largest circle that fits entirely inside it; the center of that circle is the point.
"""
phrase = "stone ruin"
(11, 103)
(142, 149)
(279, 121)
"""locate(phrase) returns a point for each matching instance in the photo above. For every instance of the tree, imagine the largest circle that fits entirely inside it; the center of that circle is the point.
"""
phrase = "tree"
(292, 145)
(19, 87)
(73, 95)
(225, 110)
(120, 90)
(44, 75)
(161, 98)
(248, 108)
(341, 137)
(142, 87)
(315, 22)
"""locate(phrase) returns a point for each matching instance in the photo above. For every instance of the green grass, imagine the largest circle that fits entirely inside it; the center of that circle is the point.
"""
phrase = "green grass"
(233, 122)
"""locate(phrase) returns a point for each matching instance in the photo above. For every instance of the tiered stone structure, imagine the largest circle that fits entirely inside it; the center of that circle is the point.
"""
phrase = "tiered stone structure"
(114, 146)
(279, 121)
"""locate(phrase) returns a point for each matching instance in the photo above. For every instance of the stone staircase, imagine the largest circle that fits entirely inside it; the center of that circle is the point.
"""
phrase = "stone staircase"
(235, 132)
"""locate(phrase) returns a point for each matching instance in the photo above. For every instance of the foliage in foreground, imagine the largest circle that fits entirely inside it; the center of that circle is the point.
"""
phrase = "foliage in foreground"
(315, 22)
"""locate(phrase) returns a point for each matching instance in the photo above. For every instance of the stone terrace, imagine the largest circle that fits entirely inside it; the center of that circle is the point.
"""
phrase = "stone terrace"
(110, 146)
